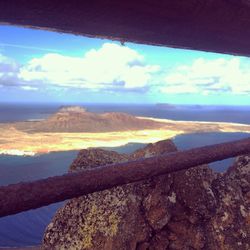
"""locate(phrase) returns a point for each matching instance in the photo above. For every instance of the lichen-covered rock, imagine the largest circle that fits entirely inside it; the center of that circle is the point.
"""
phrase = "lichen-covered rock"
(230, 227)
(192, 209)
(111, 219)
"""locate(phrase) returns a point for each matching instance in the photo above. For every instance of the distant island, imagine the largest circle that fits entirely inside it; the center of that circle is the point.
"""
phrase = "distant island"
(74, 128)
(75, 119)
(165, 105)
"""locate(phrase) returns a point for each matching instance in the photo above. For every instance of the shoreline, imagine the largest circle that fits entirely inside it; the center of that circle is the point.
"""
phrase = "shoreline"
(28, 146)
(19, 143)
(197, 122)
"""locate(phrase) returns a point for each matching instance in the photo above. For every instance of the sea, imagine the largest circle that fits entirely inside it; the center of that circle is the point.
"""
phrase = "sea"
(27, 228)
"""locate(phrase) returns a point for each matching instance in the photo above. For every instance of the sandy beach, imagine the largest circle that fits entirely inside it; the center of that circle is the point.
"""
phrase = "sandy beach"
(16, 142)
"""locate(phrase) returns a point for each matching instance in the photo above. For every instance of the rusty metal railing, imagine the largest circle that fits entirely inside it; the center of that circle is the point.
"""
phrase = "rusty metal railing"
(20, 197)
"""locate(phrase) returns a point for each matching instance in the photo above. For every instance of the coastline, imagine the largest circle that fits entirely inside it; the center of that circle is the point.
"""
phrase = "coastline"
(40, 143)
(233, 124)
(16, 142)
(17, 152)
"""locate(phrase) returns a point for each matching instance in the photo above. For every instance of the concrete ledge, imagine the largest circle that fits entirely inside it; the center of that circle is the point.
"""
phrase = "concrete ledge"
(218, 26)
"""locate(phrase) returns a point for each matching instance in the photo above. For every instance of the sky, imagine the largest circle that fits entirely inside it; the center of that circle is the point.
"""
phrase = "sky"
(38, 66)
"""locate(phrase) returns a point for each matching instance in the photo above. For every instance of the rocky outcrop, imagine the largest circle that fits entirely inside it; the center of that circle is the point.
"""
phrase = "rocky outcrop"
(192, 209)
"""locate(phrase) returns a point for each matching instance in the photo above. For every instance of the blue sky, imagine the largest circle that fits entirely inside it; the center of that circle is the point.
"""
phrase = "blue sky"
(43, 66)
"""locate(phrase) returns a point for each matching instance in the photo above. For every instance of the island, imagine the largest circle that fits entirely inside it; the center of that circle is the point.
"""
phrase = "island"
(74, 128)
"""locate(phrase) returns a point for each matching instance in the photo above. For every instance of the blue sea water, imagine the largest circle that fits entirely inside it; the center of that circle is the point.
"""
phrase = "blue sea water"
(239, 114)
(26, 229)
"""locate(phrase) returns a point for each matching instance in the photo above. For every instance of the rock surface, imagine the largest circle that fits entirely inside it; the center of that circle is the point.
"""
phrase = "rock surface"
(192, 209)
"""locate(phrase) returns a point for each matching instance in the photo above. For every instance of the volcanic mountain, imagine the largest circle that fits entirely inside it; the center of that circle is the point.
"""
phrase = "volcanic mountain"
(77, 119)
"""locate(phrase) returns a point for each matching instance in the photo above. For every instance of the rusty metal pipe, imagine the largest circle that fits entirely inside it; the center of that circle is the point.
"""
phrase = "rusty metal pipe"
(21, 197)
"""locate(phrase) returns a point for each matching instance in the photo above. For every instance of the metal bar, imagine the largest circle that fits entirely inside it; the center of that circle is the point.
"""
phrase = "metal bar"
(20, 197)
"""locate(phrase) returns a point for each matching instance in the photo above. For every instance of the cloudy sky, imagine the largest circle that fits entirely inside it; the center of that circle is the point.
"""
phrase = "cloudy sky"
(42, 66)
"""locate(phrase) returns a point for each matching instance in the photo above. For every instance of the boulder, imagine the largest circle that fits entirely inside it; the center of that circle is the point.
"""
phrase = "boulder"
(191, 209)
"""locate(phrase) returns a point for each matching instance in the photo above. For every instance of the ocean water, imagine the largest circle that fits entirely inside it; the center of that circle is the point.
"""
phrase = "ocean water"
(26, 229)
(239, 114)
(189, 141)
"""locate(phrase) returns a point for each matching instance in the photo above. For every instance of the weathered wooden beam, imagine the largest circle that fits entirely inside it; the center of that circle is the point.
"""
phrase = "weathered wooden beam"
(20, 197)
(214, 25)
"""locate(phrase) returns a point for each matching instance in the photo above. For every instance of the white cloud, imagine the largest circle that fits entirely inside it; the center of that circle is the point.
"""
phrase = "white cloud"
(111, 66)
(209, 76)
(29, 88)
(114, 67)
